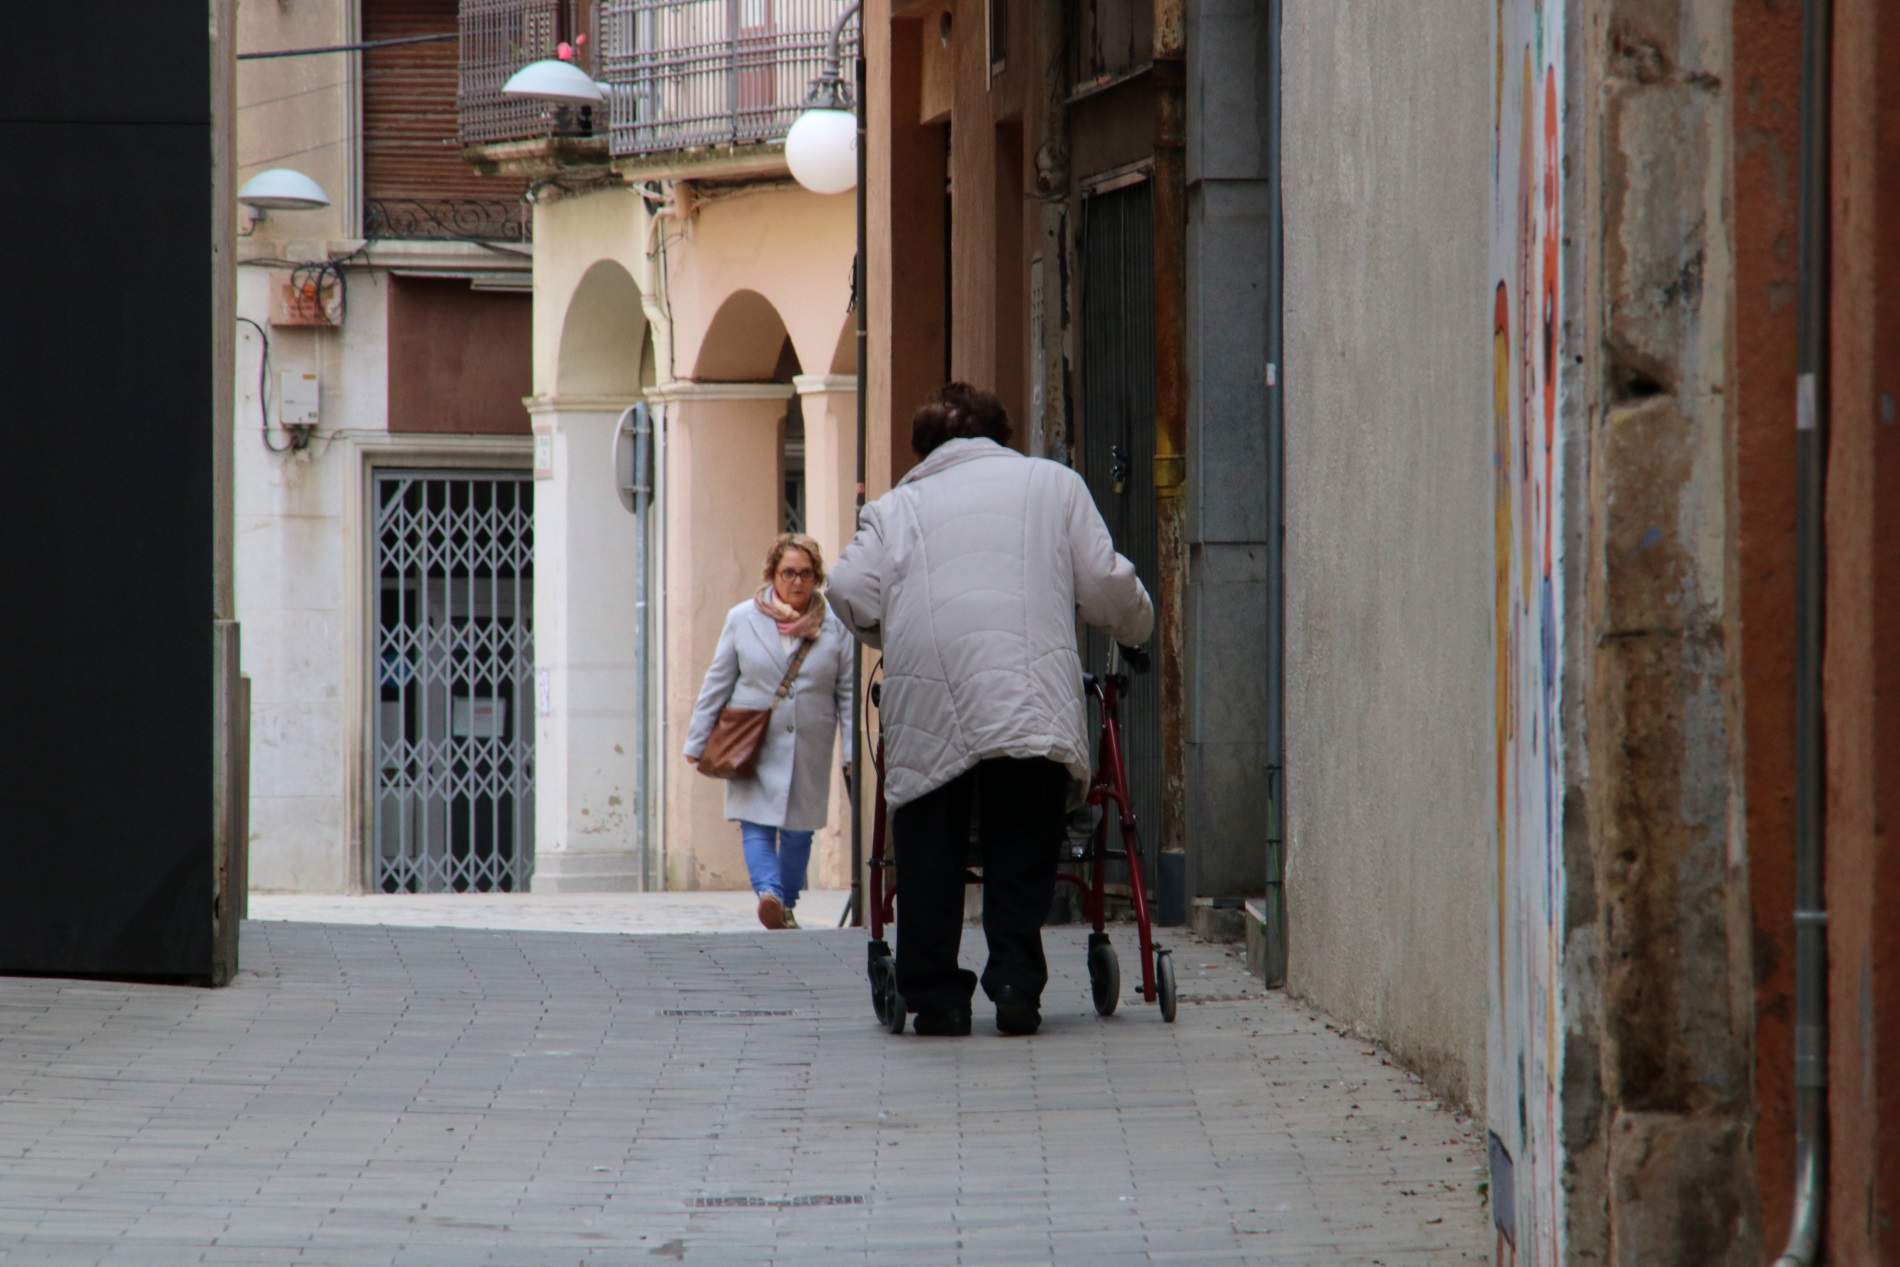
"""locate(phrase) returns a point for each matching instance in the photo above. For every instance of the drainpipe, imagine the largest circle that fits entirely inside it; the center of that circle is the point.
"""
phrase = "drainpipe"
(1273, 965)
(642, 642)
(860, 275)
(1172, 883)
(657, 645)
(828, 93)
(1810, 915)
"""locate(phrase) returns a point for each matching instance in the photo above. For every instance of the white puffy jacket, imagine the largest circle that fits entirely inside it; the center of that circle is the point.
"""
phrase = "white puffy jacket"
(969, 575)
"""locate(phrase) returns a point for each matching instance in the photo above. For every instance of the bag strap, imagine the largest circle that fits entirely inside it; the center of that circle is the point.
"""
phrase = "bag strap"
(798, 661)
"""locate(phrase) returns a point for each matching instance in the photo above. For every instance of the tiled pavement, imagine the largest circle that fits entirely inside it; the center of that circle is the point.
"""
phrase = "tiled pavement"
(698, 912)
(383, 1095)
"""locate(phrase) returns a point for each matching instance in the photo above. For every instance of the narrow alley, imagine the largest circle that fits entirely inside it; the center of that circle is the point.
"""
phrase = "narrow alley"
(367, 1094)
(519, 497)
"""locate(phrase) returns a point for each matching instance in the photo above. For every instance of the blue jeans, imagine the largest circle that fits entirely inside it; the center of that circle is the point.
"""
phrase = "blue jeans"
(776, 859)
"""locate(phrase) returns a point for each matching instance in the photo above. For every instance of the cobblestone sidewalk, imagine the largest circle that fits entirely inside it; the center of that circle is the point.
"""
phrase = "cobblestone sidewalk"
(382, 1095)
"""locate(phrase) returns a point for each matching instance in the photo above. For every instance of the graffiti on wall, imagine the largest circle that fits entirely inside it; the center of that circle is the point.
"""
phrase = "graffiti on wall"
(1525, 1043)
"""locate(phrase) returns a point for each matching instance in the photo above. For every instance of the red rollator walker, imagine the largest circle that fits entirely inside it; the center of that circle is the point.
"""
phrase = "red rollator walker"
(1108, 796)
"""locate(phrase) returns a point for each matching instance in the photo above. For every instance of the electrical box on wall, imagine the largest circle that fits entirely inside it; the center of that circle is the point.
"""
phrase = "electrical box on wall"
(297, 399)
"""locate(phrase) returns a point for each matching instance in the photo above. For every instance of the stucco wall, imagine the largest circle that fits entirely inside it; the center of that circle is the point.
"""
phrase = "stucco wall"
(295, 112)
(1389, 660)
(592, 347)
(291, 563)
(300, 549)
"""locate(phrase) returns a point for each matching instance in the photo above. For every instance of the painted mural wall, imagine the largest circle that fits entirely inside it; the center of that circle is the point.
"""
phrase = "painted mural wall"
(1526, 1013)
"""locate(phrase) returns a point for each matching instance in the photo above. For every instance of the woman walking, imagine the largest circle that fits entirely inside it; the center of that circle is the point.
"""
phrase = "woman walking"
(781, 650)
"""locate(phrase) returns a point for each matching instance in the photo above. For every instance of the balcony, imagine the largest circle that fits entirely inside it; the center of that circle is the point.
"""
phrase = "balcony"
(499, 37)
(699, 74)
(688, 80)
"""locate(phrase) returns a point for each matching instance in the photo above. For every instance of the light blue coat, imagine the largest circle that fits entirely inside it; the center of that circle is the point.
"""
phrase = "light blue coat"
(791, 785)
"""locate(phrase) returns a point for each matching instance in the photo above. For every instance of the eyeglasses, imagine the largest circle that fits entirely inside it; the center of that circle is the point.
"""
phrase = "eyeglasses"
(797, 574)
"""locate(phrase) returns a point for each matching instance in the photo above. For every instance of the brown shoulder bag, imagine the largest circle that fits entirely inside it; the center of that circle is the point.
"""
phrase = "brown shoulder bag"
(733, 750)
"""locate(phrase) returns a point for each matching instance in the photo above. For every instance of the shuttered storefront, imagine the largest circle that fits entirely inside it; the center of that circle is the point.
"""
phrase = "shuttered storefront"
(416, 184)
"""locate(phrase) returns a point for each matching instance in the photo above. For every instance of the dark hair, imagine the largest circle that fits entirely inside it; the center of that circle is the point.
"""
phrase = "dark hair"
(957, 411)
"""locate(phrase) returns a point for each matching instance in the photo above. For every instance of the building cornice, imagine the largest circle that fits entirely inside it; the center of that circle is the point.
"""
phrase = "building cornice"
(416, 255)
(542, 157)
(821, 384)
(539, 406)
(761, 161)
(378, 444)
(421, 255)
(666, 393)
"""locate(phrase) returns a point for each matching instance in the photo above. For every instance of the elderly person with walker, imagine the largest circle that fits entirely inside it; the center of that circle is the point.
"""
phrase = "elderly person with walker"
(779, 688)
(970, 576)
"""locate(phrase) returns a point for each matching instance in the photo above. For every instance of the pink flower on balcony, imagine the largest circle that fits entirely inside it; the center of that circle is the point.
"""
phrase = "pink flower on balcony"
(564, 51)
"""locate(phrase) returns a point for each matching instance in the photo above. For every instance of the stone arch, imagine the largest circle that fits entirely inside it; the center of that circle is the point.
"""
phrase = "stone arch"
(604, 336)
(744, 342)
(844, 356)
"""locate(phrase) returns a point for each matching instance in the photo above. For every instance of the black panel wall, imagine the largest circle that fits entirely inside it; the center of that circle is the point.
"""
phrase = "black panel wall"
(107, 369)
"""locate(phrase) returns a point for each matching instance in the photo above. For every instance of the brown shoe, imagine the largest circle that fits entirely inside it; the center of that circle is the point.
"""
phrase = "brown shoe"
(771, 911)
(790, 922)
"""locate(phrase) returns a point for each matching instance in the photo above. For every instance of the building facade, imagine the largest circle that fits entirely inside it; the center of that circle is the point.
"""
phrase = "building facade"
(382, 467)
(461, 682)
(1031, 173)
(677, 267)
(1674, 347)
(1471, 386)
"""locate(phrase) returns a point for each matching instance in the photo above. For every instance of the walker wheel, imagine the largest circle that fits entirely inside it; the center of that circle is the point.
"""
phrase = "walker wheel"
(1164, 984)
(885, 999)
(1105, 974)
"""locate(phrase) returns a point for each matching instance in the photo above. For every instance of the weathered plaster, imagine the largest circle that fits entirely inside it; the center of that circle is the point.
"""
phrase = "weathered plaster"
(1389, 670)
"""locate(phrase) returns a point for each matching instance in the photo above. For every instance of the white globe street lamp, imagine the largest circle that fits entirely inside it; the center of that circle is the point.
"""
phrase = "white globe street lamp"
(822, 150)
(822, 147)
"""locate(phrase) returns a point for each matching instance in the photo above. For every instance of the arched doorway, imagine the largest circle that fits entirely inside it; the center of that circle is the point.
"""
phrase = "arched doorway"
(603, 336)
(596, 683)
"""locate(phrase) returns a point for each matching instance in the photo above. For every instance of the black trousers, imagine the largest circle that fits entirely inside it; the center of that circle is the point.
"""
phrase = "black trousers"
(1019, 807)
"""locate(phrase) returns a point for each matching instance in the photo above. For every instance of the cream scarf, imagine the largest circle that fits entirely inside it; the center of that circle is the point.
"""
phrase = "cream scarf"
(792, 624)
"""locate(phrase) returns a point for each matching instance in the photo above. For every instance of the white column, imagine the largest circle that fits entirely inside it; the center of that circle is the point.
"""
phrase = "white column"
(587, 837)
(830, 404)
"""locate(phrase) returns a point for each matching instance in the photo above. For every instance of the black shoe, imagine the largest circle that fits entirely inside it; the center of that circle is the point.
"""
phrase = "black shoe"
(1015, 1013)
(943, 1023)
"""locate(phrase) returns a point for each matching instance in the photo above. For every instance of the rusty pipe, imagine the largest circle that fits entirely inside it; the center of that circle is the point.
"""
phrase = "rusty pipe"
(1805, 1232)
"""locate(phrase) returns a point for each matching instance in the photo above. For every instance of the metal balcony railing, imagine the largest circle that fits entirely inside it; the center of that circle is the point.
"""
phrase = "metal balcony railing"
(685, 74)
(499, 37)
(448, 219)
